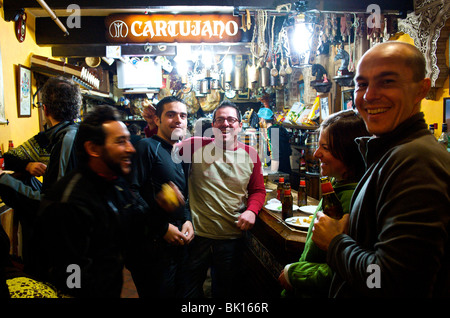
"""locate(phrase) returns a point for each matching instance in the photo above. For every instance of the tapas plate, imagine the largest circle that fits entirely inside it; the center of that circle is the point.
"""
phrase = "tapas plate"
(276, 207)
(310, 209)
(302, 222)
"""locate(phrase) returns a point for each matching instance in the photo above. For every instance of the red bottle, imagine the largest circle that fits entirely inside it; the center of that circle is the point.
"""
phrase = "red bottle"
(331, 205)
(280, 188)
(302, 195)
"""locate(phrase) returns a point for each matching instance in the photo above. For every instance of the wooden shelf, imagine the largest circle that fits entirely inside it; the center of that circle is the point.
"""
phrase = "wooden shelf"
(304, 127)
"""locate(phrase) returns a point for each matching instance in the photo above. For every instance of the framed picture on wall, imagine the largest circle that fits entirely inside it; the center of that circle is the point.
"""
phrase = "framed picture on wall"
(24, 91)
(347, 99)
(447, 111)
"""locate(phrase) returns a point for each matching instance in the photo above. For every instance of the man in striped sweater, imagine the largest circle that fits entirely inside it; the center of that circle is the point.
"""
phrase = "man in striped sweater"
(226, 192)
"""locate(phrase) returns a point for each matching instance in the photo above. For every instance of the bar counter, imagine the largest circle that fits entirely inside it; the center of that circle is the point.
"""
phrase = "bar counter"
(270, 245)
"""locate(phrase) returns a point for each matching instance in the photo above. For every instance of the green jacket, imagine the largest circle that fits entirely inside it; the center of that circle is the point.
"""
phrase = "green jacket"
(311, 276)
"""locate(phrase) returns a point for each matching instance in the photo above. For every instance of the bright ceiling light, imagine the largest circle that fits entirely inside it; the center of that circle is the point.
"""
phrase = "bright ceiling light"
(302, 38)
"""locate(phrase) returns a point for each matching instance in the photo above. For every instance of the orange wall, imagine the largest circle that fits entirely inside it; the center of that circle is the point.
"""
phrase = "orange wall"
(12, 54)
(433, 109)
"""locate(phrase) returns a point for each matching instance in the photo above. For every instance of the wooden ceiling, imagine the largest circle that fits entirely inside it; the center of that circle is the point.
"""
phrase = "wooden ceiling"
(89, 40)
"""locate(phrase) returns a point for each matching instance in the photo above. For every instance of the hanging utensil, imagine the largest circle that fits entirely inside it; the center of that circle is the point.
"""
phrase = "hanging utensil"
(252, 72)
(205, 87)
(239, 71)
(274, 71)
(288, 68)
(249, 19)
(265, 76)
(261, 62)
(282, 71)
(244, 26)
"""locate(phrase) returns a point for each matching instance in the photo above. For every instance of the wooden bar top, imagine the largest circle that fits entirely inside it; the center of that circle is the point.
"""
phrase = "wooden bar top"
(287, 239)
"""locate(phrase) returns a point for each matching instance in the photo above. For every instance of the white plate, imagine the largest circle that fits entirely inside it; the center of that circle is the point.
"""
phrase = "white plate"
(310, 209)
(276, 207)
(298, 221)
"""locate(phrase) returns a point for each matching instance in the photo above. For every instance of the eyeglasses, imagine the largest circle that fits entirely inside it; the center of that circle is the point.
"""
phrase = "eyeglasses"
(230, 120)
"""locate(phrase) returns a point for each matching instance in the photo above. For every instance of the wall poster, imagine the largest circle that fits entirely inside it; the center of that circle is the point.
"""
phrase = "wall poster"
(24, 91)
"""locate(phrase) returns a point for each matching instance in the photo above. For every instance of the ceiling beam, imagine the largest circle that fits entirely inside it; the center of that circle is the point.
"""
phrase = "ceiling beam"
(11, 7)
(77, 51)
(81, 51)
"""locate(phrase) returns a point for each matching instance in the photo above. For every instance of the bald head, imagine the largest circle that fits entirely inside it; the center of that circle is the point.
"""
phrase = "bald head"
(409, 54)
(389, 85)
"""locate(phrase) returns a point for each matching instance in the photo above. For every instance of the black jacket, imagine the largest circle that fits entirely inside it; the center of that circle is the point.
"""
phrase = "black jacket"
(91, 222)
(19, 195)
(399, 220)
(154, 166)
(62, 154)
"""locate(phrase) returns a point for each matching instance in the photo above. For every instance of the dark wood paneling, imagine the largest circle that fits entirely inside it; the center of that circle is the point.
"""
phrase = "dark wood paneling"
(92, 31)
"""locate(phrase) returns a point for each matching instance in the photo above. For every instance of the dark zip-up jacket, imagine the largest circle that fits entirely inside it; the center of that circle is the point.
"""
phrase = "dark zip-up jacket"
(154, 167)
(399, 220)
(62, 160)
(91, 222)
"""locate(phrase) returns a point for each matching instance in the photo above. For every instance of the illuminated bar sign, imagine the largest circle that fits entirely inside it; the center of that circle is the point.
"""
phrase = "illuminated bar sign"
(169, 28)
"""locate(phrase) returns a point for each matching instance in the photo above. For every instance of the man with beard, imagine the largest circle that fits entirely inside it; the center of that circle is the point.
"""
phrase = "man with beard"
(81, 232)
(159, 273)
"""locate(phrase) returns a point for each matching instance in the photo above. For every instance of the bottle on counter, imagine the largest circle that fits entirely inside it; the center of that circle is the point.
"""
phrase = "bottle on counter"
(265, 173)
(331, 205)
(431, 128)
(2, 164)
(302, 164)
(286, 205)
(10, 145)
(280, 187)
(444, 137)
(296, 138)
(302, 193)
(286, 186)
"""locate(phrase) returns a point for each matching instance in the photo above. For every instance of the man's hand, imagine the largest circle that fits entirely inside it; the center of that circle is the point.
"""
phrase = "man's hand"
(36, 169)
(326, 228)
(283, 282)
(174, 236)
(246, 220)
(188, 230)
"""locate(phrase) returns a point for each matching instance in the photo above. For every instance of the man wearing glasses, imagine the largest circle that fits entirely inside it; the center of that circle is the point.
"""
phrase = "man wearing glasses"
(226, 192)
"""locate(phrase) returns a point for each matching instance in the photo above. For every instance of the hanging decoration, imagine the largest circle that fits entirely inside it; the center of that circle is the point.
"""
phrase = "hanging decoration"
(21, 25)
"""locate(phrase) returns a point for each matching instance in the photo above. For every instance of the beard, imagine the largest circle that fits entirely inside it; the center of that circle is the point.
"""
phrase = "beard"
(112, 164)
